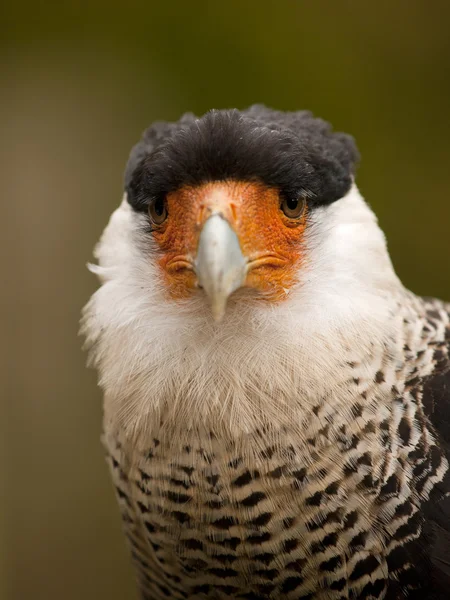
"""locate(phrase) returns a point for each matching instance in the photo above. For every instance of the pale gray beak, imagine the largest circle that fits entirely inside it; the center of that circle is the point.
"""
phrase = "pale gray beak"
(220, 266)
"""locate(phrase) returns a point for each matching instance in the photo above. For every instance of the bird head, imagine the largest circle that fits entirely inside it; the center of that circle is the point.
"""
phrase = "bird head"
(242, 266)
(227, 199)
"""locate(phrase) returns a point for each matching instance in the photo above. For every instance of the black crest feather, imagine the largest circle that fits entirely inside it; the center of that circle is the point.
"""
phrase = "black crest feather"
(291, 151)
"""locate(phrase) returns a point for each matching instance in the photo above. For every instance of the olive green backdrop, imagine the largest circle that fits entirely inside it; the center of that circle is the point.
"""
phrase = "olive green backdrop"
(78, 83)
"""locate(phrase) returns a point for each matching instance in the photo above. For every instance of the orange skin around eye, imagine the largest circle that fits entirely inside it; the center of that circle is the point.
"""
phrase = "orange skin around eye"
(271, 242)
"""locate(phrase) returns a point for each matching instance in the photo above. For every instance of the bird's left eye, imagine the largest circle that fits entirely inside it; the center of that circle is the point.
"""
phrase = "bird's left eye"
(293, 207)
(157, 210)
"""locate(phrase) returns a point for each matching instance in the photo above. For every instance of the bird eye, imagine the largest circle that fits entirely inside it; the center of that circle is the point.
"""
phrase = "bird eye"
(157, 210)
(293, 207)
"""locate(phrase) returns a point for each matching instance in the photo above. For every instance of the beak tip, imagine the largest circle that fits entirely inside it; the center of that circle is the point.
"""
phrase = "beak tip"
(218, 309)
(218, 317)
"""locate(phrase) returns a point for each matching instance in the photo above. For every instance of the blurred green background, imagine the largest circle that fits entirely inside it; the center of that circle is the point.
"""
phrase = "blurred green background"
(78, 83)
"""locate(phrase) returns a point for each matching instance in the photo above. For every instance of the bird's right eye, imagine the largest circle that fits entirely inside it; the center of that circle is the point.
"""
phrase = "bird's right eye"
(293, 207)
(157, 210)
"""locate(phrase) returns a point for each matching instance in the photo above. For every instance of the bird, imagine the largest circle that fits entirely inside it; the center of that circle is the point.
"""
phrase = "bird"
(276, 402)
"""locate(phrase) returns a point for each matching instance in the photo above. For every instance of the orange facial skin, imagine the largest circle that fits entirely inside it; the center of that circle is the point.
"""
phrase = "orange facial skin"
(271, 242)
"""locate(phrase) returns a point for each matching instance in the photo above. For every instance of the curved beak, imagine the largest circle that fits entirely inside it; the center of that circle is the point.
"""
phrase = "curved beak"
(220, 266)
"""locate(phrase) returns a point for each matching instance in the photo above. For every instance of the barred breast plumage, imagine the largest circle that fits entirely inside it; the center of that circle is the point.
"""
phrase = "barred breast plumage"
(336, 513)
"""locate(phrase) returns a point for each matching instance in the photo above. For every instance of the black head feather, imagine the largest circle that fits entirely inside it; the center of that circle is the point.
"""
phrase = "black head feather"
(291, 151)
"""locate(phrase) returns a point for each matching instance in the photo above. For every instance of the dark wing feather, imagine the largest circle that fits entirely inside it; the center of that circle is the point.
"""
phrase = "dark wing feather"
(436, 511)
(436, 398)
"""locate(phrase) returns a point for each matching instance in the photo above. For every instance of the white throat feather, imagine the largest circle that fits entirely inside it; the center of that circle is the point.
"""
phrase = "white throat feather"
(264, 364)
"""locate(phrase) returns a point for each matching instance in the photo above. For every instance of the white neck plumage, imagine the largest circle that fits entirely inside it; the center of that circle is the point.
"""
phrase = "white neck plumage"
(264, 363)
